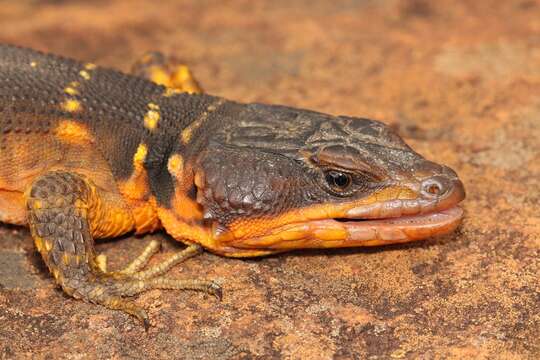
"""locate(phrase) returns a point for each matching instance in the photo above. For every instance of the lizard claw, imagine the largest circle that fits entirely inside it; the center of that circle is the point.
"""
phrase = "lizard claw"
(216, 290)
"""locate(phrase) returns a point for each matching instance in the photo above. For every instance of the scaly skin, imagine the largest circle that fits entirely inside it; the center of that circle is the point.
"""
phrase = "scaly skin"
(90, 153)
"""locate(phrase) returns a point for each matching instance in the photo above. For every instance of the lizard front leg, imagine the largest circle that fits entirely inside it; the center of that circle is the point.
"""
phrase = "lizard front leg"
(64, 211)
(177, 77)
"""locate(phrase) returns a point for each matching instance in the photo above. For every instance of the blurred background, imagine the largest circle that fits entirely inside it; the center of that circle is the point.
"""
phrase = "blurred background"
(458, 79)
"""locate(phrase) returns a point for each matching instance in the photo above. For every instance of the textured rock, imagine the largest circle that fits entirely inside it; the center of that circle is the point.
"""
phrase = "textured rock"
(460, 80)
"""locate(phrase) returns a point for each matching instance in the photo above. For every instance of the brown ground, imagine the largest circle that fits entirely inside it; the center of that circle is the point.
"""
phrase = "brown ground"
(459, 79)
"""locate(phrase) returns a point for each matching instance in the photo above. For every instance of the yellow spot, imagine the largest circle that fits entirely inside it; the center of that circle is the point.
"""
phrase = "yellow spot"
(66, 258)
(186, 135)
(151, 119)
(84, 74)
(71, 105)
(33, 64)
(71, 91)
(36, 204)
(39, 243)
(101, 261)
(48, 245)
(55, 273)
(153, 106)
(188, 131)
(199, 179)
(89, 66)
(175, 165)
(170, 92)
(73, 132)
(140, 156)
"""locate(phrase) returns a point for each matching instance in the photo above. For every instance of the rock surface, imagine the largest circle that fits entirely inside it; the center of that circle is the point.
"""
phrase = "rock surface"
(460, 80)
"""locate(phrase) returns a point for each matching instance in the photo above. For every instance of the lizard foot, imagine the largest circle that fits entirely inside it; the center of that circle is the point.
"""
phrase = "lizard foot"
(64, 210)
(132, 280)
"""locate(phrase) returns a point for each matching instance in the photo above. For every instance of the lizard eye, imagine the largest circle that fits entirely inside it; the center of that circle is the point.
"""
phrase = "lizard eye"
(338, 181)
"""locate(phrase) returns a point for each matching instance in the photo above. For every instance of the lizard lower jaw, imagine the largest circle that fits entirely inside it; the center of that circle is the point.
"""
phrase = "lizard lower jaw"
(389, 230)
(334, 233)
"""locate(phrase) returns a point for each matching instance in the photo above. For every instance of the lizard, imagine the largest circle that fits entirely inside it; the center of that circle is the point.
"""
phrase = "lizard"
(89, 152)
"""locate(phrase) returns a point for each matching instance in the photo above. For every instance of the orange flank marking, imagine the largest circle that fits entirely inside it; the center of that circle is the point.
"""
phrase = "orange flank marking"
(73, 132)
(113, 221)
(193, 233)
(184, 231)
(184, 207)
(108, 217)
(145, 216)
(13, 206)
(136, 193)
(136, 187)
(183, 220)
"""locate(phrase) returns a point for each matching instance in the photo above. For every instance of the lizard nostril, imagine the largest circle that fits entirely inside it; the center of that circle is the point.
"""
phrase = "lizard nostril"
(434, 187)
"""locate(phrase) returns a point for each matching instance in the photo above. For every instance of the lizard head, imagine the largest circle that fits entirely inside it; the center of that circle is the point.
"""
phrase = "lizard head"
(282, 178)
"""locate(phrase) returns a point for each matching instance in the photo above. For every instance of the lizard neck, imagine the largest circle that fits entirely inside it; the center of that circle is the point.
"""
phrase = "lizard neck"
(172, 146)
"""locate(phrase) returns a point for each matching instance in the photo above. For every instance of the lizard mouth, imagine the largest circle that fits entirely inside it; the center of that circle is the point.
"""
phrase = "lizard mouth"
(397, 221)
(380, 223)
(361, 232)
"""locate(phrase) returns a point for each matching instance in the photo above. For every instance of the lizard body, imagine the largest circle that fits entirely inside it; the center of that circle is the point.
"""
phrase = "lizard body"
(89, 152)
